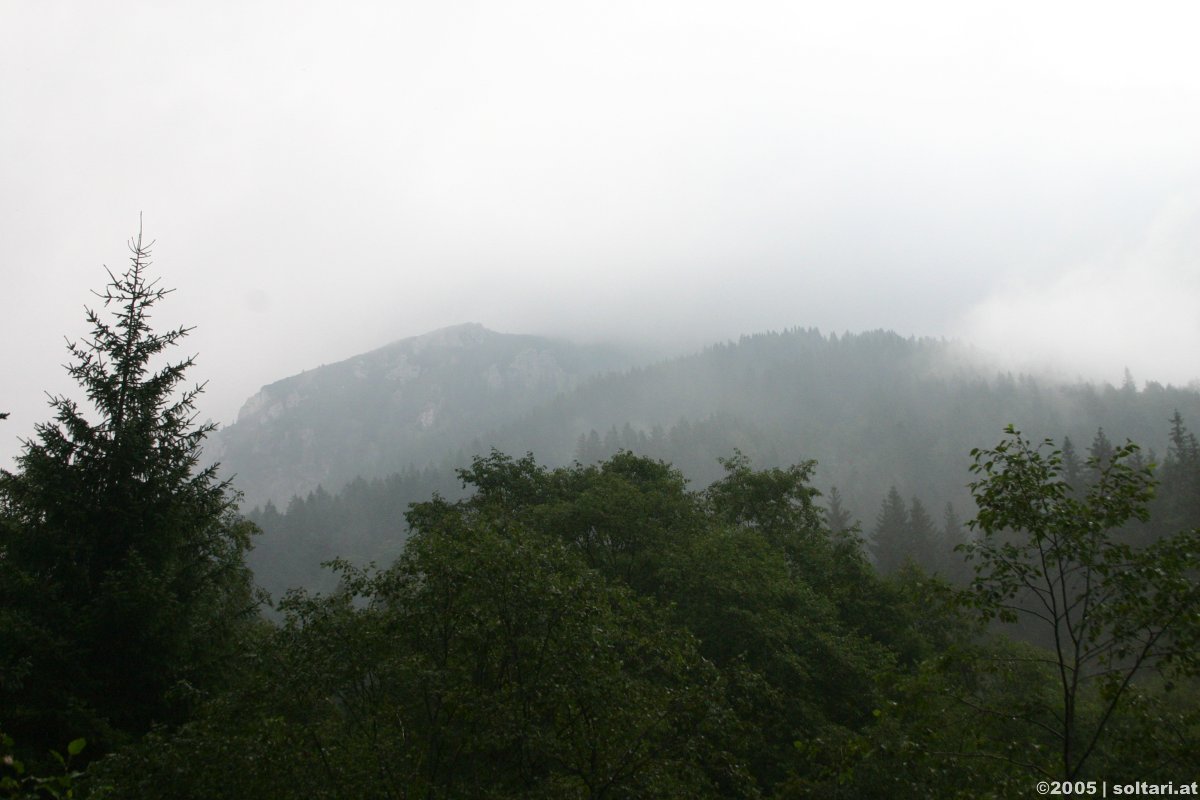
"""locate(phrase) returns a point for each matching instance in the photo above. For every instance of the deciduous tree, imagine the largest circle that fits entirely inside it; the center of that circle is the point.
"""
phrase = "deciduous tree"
(1108, 611)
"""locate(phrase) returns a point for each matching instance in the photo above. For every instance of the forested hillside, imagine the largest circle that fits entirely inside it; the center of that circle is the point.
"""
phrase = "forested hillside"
(874, 409)
(880, 414)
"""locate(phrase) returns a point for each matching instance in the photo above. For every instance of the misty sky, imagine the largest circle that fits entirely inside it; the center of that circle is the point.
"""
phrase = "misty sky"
(323, 178)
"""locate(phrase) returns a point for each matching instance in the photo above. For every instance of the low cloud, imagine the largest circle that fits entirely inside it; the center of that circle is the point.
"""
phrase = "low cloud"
(1134, 309)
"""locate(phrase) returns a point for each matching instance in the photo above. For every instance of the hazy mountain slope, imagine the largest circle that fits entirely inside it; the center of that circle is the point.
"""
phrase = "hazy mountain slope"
(874, 409)
(409, 402)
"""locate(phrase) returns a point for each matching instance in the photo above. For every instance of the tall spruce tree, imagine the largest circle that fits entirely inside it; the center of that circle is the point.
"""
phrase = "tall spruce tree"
(954, 536)
(890, 544)
(122, 573)
(836, 516)
(924, 547)
(1180, 495)
(1071, 466)
(1099, 454)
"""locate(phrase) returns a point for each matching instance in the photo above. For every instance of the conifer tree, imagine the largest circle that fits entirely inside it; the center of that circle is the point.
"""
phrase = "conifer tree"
(1071, 467)
(954, 536)
(1099, 454)
(123, 573)
(836, 516)
(923, 537)
(1181, 477)
(889, 540)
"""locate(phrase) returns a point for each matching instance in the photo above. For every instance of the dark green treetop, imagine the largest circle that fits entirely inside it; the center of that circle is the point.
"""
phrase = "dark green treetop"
(1181, 477)
(889, 539)
(836, 516)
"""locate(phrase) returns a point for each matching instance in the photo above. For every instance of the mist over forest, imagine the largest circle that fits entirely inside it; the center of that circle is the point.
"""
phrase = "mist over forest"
(628, 400)
(780, 565)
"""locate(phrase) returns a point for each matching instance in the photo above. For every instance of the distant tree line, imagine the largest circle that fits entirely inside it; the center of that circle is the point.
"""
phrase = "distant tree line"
(364, 521)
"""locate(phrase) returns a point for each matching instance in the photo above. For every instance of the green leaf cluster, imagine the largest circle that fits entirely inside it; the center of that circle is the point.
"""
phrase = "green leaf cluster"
(1107, 611)
(585, 631)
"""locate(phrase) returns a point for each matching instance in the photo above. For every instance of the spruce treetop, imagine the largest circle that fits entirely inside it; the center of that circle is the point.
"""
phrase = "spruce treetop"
(138, 556)
(146, 427)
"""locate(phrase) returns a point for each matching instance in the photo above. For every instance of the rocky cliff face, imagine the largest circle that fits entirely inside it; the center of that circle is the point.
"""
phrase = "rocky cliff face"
(407, 403)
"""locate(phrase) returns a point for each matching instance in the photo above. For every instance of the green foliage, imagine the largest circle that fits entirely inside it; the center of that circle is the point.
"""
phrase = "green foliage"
(891, 540)
(604, 630)
(18, 783)
(837, 518)
(779, 502)
(575, 632)
(122, 579)
(1157, 733)
(488, 661)
(906, 536)
(1107, 611)
(1179, 503)
(953, 540)
(783, 609)
(952, 728)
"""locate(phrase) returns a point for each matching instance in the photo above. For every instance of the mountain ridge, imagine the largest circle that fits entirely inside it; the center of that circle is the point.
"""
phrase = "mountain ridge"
(404, 402)
(867, 406)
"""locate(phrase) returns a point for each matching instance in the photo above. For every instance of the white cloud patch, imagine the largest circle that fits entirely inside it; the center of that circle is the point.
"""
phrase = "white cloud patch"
(1137, 309)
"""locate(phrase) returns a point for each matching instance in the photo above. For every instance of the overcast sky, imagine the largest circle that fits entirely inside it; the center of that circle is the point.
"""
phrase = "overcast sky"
(323, 178)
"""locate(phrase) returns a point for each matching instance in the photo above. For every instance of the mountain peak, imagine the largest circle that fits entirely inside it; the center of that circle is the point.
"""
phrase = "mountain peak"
(405, 403)
(462, 335)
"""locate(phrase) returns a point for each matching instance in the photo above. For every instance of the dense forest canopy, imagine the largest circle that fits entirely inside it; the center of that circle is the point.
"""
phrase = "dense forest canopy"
(605, 630)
